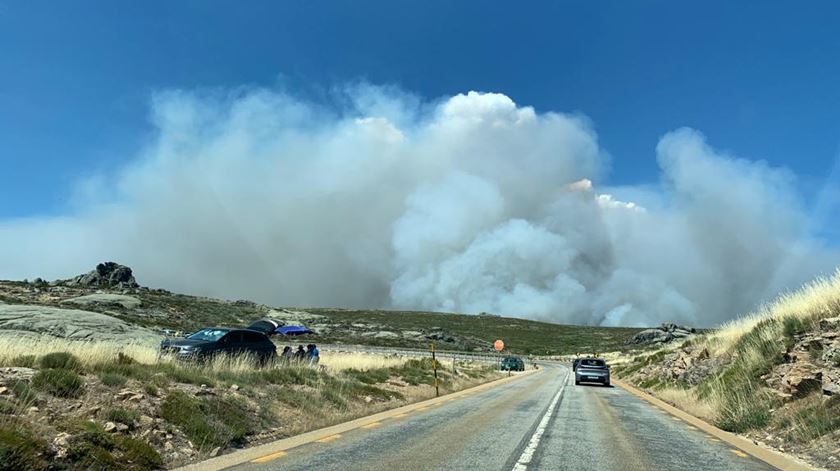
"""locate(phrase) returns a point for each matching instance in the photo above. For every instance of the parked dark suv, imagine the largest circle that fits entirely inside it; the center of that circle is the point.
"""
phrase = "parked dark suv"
(592, 370)
(207, 343)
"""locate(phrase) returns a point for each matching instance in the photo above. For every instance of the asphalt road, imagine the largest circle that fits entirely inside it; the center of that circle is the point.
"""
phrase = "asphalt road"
(540, 422)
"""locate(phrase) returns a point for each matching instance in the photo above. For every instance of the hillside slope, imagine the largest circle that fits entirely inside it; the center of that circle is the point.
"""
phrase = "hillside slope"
(773, 376)
(158, 309)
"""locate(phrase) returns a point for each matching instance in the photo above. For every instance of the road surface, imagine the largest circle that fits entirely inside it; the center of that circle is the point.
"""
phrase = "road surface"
(540, 422)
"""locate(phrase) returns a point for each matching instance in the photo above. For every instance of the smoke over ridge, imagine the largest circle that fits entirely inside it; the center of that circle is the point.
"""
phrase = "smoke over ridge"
(467, 204)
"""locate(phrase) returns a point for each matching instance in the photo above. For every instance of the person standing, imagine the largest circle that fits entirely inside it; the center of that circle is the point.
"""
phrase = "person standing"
(314, 355)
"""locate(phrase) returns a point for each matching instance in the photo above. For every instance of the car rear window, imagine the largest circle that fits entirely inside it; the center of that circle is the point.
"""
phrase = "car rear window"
(592, 362)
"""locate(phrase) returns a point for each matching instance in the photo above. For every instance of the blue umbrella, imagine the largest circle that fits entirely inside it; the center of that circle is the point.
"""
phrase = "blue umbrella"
(293, 330)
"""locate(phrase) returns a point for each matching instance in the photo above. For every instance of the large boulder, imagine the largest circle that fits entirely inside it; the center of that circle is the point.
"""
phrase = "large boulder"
(651, 336)
(801, 379)
(73, 324)
(106, 275)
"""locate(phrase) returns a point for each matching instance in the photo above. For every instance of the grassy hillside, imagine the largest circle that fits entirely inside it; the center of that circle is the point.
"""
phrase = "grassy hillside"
(773, 375)
(162, 309)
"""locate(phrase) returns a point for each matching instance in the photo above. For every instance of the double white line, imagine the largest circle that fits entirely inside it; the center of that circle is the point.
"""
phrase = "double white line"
(528, 452)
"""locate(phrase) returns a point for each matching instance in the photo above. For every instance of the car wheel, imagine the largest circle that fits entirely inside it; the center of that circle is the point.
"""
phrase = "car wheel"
(577, 383)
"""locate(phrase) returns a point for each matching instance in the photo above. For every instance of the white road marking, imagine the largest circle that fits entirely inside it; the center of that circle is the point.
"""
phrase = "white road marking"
(528, 452)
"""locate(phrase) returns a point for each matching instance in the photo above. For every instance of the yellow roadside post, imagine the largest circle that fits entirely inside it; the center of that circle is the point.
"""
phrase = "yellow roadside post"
(434, 366)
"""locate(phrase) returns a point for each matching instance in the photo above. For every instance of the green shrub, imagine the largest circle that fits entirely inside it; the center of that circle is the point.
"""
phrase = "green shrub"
(21, 449)
(61, 360)
(59, 383)
(811, 418)
(123, 416)
(123, 359)
(26, 361)
(792, 326)
(23, 393)
(208, 422)
(91, 448)
(374, 376)
(112, 379)
(151, 389)
(139, 453)
(7, 407)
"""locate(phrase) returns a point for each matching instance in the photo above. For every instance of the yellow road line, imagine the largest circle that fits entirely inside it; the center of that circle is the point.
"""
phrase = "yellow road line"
(266, 458)
(330, 438)
(372, 425)
(739, 453)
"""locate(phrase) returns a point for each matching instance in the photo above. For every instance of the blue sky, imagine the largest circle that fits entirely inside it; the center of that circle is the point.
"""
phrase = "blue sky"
(760, 81)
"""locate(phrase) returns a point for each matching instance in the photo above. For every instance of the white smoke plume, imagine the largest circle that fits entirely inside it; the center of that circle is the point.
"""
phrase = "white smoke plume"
(468, 204)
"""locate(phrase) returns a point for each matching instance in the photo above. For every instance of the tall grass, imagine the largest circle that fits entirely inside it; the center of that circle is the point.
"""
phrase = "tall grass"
(816, 300)
(89, 353)
(335, 362)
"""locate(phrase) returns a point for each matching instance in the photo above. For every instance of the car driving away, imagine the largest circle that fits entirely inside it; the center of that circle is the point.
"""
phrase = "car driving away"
(210, 342)
(512, 364)
(592, 370)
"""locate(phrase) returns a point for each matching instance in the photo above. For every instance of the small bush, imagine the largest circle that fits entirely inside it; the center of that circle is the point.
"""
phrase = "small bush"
(7, 407)
(123, 359)
(26, 361)
(208, 422)
(61, 360)
(112, 379)
(59, 383)
(811, 418)
(21, 449)
(123, 416)
(151, 389)
(374, 376)
(139, 453)
(23, 393)
(91, 448)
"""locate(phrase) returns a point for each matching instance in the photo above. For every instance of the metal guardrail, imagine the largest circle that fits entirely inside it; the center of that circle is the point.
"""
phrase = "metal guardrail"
(418, 352)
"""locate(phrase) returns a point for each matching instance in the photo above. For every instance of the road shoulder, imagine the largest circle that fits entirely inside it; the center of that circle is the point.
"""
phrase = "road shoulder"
(771, 457)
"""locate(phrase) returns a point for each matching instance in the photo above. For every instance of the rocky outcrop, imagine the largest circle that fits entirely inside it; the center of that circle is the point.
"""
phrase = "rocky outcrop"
(665, 333)
(105, 300)
(106, 275)
(73, 324)
(811, 364)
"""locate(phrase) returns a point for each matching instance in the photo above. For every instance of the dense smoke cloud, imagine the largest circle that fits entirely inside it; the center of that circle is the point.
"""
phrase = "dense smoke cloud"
(468, 204)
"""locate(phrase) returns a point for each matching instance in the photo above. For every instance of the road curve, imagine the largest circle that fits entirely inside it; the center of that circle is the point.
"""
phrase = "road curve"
(539, 422)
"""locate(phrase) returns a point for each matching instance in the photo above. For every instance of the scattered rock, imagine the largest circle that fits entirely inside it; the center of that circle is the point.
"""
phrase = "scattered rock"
(167, 446)
(34, 409)
(110, 426)
(234, 387)
(214, 452)
(122, 427)
(4, 390)
(146, 421)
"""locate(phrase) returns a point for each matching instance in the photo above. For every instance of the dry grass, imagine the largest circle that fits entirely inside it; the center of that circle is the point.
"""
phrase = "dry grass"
(88, 352)
(815, 300)
(688, 401)
(335, 362)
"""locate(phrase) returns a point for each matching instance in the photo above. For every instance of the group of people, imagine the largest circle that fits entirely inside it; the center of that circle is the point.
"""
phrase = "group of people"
(309, 356)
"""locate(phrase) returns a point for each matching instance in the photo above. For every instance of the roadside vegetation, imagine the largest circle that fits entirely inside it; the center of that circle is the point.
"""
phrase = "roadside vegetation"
(770, 375)
(134, 411)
